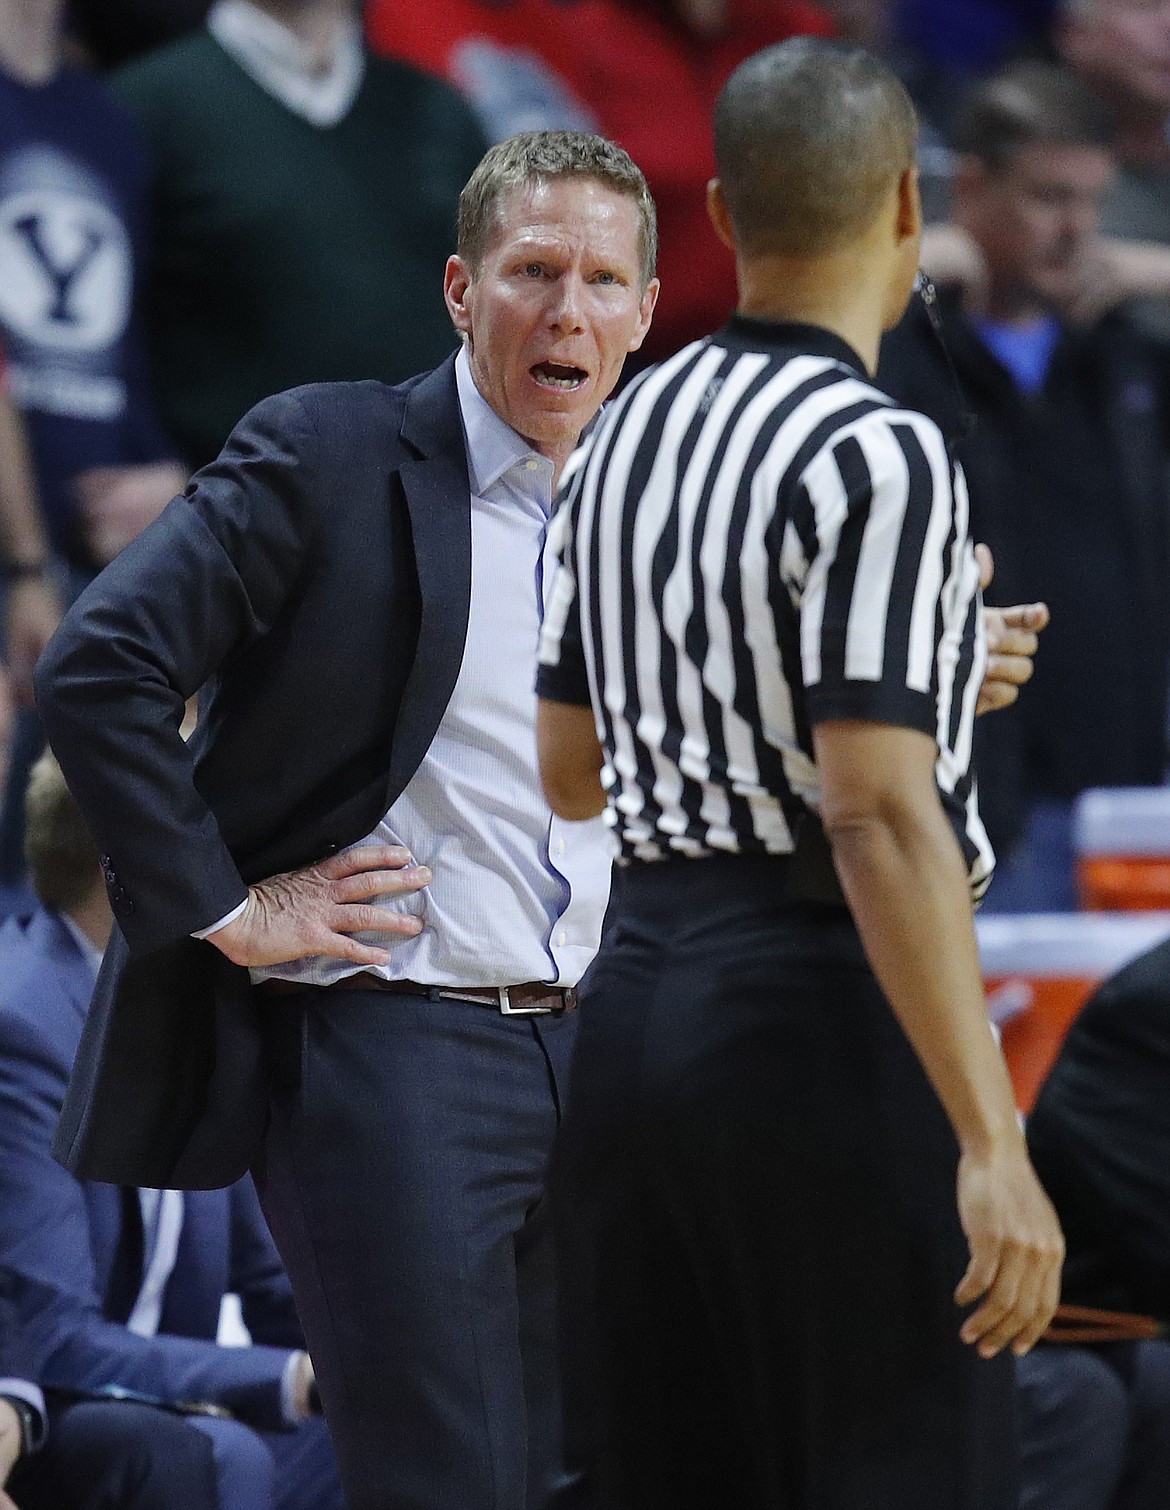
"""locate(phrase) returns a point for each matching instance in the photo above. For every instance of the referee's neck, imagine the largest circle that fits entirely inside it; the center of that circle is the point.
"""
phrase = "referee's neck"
(835, 292)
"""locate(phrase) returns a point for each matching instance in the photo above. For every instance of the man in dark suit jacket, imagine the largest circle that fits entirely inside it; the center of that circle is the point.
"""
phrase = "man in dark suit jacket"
(1065, 467)
(121, 1288)
(351, 586)
(93, 1455)
(1099, 1136)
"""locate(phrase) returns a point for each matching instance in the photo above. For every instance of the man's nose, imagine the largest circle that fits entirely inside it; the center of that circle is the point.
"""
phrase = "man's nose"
(567, 310)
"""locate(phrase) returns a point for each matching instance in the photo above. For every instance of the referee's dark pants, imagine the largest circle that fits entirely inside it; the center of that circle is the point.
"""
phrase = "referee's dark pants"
(755, 1191)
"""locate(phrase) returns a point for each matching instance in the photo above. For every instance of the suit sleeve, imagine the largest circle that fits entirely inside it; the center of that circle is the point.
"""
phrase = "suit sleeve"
(16, 1370)
(45, 1240)
(196, 588)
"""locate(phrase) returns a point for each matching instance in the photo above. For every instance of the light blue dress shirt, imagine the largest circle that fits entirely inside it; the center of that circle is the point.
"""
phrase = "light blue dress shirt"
(518, 895)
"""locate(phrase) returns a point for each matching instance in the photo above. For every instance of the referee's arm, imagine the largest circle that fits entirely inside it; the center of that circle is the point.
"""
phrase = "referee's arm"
(567, 745)
(889, 650)
(904, 879)
(570, 759)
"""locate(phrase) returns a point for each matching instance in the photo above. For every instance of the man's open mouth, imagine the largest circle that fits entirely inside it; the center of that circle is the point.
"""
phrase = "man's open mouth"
(558, 375)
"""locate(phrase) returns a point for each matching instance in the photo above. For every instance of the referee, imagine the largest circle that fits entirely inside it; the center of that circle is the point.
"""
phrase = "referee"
(769, 607)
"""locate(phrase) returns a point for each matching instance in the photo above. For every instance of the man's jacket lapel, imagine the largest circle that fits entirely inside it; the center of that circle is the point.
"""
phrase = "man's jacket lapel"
(438, 497)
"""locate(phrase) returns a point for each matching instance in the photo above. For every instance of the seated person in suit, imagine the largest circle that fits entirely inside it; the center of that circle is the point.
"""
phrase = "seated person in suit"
(91, 1455)
(135, 1278)
(1099, 1136)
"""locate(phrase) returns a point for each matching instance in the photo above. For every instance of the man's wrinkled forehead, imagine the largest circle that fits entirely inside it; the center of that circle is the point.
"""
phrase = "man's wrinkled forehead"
(549, 208)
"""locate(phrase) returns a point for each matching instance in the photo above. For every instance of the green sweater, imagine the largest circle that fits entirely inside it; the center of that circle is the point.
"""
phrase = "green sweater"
(286, 253)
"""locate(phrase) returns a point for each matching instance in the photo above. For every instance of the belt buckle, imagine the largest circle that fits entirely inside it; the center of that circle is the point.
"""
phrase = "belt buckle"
(508, 1010)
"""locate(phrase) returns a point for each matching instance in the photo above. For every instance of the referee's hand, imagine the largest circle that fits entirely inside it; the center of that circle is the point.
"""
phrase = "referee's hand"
(1017, 1250)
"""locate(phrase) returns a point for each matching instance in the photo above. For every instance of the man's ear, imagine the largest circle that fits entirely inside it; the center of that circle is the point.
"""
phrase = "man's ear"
(645, 314)
(909, 214)
(457, 282)
(720, 215)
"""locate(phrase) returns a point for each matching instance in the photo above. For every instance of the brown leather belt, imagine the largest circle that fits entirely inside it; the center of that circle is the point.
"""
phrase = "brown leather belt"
(533, 999)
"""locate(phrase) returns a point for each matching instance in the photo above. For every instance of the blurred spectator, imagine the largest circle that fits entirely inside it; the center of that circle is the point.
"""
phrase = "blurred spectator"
(1121, 50)
(643, 72)
(970, 36)
(1066, 469)
(1100, 1138)
(1100, 1135)
(5, 723)
(91, 1456)
(114, 31)
(135, 1278)
(32, 605)
(305, 198)
(72, 230)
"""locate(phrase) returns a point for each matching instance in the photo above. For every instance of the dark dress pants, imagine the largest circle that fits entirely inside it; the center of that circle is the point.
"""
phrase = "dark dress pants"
(117, 1456)
(754, 1193)
(403, 1178)
(1095, 1427)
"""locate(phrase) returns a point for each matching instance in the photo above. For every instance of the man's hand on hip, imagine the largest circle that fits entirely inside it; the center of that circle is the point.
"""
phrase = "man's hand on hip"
(313, 911)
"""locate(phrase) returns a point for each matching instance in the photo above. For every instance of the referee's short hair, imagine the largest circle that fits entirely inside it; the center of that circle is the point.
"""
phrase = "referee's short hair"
(1029, 103)
(810, 136)
(537, 157)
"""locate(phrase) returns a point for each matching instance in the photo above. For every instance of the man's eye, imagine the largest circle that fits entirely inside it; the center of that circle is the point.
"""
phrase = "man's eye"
(532, 269)
(605, 278)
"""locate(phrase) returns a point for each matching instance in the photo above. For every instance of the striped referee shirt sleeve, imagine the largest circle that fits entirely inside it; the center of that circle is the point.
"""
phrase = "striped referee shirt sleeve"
(889, 597)
(562, 675)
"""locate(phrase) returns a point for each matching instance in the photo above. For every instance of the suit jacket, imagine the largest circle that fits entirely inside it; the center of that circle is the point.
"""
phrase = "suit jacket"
(16, 1360)
(315, 583)
(76, 1248)
(1100, 1138)
(1068, 486)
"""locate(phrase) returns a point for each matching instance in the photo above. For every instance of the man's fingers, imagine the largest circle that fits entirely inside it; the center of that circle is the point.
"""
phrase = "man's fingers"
(1033, 616)
(1013, 641)
(364, 884)
(368, 857)
(995, 1322)
(1015, 670)
(364, 919)
(1047, 1301)
(338, 946)
(981, 1271)
(986, 565)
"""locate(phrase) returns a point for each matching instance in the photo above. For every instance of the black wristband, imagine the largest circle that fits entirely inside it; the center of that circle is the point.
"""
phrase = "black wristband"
(30, 1424)
(22, 571)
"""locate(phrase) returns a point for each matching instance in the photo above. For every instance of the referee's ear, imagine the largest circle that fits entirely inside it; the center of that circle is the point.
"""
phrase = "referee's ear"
(909, 224)
(720, 215)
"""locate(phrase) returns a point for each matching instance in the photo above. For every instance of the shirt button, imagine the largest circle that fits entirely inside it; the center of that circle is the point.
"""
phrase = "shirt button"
(531, 464)
(560, 846)
(562, 939)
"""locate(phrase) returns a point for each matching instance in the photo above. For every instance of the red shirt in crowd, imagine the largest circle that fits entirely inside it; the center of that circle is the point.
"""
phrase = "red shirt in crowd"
(625, 68)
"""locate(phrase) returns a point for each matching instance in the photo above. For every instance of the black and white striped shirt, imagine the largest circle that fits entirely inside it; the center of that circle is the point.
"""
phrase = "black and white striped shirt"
(756, 539)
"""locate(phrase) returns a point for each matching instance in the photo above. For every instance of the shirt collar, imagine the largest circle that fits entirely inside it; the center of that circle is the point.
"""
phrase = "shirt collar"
(494, 450)
(275, 59)
(749, 333)
(90, 952)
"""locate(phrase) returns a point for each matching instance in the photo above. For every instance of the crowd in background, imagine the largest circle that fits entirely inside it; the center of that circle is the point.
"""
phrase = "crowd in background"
(201, 205)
